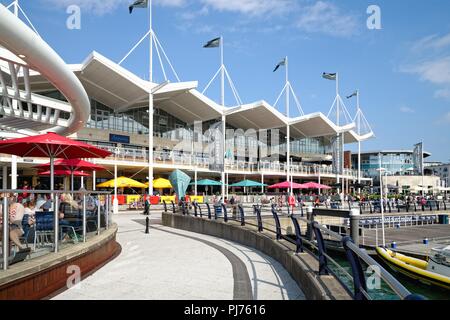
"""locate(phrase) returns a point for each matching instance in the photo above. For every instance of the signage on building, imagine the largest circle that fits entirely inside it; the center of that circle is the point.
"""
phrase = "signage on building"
(119, 138)
(337, 145)
(418, 158)
(215, 148)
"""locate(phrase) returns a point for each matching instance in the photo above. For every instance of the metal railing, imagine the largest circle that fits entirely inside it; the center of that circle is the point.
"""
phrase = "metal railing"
(182, 158)
(317, 247)
(51, 222)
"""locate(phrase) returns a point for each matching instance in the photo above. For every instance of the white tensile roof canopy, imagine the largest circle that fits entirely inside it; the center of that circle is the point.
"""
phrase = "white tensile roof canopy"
(118, 88)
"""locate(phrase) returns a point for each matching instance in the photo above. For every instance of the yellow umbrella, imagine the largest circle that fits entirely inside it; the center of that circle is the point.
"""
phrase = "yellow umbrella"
(160, 183)
(122, 182)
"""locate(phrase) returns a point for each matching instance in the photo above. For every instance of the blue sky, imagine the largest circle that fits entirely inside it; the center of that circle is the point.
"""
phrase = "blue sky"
(402, 70)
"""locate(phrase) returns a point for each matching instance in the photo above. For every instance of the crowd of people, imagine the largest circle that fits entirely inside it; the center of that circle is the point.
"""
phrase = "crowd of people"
(23, 207)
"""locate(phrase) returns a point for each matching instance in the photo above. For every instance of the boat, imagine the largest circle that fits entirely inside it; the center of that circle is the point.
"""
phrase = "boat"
(435, 271)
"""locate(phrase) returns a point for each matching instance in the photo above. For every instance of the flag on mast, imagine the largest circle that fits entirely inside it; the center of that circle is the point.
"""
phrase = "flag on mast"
(354, 94)
(214, 43)
(138, 4)
(281, 63)
(329, 76)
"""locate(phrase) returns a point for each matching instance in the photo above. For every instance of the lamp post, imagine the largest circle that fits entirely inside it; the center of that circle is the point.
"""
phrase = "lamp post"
(115, 201)
(380, 170)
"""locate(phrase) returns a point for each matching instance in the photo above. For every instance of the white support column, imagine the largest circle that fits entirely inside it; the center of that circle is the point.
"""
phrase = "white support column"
(94, 178)
(226, 187)
(319, 179)
(222, 75)
(223, 157)
(16, 8)
(151, 41)
(13, 172)
(150, 108)
(337, 123)
(195, 180)
(150, 145)
(288, 133)
(5, 178)
(262, 182)
(358, 119)
(116, 201)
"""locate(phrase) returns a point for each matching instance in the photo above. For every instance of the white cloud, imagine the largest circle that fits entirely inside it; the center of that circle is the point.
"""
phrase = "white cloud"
(436, 71)
(406, 110)
(191, 15)
(250, 7)
(326, 17)
(432, 42)
(432, 63)
(445, 119)
(443, 93)
(101, 7)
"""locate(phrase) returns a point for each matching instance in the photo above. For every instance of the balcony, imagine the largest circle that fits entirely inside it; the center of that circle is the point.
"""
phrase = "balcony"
(200, 161)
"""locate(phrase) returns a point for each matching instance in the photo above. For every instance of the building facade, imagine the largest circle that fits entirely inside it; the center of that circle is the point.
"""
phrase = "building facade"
(259, 142)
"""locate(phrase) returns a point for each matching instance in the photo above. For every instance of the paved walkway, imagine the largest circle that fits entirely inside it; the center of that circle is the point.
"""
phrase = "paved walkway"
(174, 264)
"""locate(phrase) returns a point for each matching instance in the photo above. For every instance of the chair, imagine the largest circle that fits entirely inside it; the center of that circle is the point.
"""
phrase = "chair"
(44, 229)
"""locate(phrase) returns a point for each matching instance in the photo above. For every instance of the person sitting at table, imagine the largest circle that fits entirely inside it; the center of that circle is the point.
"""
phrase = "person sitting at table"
(16, 212)
(67, 207)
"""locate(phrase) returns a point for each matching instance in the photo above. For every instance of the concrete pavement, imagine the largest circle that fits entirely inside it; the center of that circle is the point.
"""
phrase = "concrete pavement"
(175, 264)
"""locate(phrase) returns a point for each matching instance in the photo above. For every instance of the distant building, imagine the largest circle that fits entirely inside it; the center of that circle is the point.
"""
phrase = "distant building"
(400, 174)
(443, 171)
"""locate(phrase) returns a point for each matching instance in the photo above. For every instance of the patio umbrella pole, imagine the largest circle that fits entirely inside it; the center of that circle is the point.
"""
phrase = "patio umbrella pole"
(52, 180)
(71, 180)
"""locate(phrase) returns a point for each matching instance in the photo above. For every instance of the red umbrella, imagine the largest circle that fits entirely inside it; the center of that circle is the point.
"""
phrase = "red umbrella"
(72, 165)
(65, 173)
(52, 146)
(285, 185)
(314, 185)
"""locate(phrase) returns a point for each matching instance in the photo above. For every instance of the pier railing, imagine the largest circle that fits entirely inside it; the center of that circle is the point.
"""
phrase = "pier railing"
(64, 217)
(373, 206)
(353, 276)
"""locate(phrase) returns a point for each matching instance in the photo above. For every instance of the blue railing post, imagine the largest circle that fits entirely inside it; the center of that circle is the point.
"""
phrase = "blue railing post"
(241, 211)
(215, 211)
(301, 209)
(173, 206)
(445, 206)
(195, 208)
(323, 261)
(209, 210)
(199, 209)
(277, 222)
(183, 207)
(359, 279)
(225, 213)
(165, 205)
(298, 235)
(258, 218)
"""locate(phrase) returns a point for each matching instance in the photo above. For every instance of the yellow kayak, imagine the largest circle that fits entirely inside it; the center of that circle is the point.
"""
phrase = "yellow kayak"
(413, 268)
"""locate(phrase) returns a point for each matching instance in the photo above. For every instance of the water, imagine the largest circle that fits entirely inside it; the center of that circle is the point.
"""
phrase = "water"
(385, 292)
